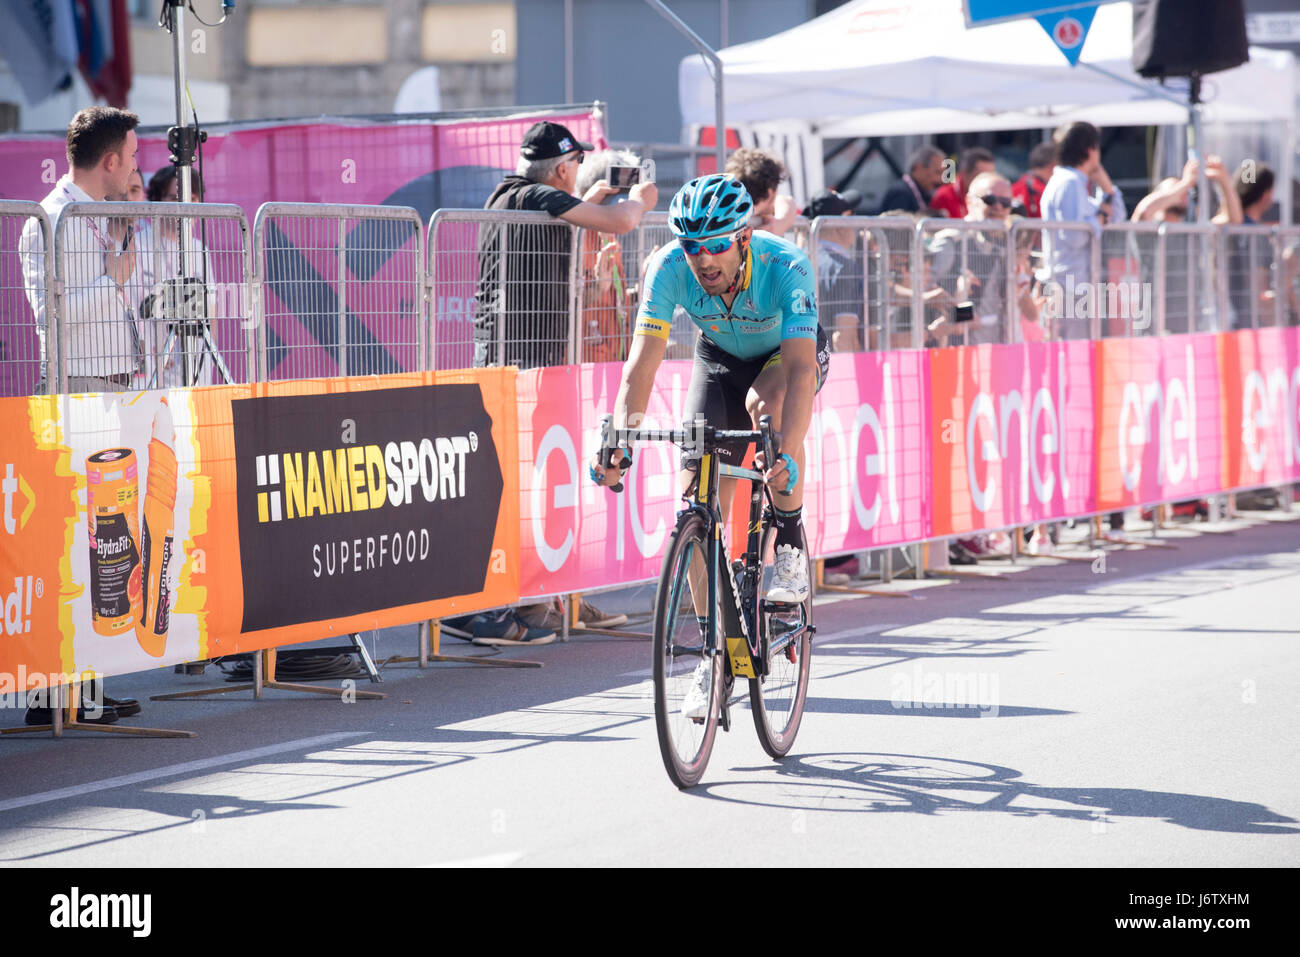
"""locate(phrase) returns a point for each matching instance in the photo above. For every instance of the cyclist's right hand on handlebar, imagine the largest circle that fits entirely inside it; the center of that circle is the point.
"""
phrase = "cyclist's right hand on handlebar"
(613, 475)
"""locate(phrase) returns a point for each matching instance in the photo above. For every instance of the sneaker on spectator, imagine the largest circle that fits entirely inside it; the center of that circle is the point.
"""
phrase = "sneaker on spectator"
(507, 628)
(843, 570)
(461, 626)
(589, 616)
(957, 555)
(547, 615)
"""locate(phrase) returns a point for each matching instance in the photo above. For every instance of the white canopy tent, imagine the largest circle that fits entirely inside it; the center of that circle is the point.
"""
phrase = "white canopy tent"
(885, 67)
(880, 67)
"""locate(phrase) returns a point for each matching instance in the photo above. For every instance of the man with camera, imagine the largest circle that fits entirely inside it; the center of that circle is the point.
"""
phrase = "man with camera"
(102, 346)
(526, 288)
(972, 266)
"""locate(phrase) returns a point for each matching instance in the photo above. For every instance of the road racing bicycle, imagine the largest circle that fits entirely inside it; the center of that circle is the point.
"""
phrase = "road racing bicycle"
(710, 614)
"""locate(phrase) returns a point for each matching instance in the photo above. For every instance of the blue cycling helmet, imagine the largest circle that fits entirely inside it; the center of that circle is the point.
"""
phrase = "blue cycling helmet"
(712, 205)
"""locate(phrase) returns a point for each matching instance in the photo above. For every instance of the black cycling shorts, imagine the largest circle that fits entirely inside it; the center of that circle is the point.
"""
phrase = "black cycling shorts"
(720, 384)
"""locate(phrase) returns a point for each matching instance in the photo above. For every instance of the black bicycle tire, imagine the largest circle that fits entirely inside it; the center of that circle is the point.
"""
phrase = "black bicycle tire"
(690, 527)
(778, 744)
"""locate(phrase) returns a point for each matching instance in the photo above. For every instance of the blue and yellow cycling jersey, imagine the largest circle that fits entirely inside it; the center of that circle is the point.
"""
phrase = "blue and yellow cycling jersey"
(777, 300)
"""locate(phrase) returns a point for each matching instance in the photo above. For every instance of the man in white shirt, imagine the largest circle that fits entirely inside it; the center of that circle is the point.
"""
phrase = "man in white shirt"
(1080, 191)
(101, 347)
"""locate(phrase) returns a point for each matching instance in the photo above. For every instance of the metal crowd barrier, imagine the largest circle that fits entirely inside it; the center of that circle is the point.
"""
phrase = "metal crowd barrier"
(1287, 275)
(968, 261)
(863, 266)
(132, 316)
(340, 289)
(26, 291)
(1192, 285)
(504, 287)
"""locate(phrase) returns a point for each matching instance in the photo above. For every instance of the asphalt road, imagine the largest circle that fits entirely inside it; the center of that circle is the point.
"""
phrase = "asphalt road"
(1136, 712)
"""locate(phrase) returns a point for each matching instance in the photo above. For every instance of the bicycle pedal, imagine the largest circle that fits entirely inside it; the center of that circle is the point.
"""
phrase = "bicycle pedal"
(790, 654)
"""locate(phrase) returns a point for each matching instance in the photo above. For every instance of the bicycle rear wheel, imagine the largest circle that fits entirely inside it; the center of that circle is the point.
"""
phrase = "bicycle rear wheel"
(778, 698)
(685, 743)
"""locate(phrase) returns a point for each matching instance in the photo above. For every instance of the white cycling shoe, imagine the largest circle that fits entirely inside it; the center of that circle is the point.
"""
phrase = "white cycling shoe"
(695, 705)
(790, 577)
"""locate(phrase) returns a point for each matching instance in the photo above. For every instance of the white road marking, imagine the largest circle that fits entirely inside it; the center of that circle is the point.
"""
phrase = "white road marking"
(44, 797)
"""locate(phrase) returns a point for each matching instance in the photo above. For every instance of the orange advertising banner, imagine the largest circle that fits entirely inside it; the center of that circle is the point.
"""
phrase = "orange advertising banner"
(146, 529)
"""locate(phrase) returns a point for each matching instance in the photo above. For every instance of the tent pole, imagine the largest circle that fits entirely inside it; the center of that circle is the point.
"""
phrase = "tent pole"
(706, 51)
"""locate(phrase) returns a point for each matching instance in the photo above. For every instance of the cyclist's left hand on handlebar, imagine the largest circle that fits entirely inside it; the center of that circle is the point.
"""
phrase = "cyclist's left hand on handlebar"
(783, 476)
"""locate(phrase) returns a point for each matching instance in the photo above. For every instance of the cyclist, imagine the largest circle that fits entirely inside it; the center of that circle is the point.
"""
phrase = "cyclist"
(760, 351)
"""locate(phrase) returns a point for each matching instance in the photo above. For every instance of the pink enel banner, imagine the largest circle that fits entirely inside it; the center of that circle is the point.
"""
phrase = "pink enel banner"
(1260, 371)
(1160, 420)
(867, 459)
(1011, 434)
(575, 536)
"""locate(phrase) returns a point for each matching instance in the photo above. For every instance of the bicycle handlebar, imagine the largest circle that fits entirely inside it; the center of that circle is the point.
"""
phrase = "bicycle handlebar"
(709, 439)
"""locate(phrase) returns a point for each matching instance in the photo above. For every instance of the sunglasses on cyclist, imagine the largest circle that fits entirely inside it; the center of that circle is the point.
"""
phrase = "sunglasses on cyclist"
(993, 200)
(714, 247)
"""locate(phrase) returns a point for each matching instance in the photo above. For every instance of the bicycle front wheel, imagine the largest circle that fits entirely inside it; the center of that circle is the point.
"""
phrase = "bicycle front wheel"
(688, 681)
(778, 698)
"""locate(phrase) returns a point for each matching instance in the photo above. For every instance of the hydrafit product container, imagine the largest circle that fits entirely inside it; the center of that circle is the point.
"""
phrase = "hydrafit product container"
(112, 514)
(158, 528)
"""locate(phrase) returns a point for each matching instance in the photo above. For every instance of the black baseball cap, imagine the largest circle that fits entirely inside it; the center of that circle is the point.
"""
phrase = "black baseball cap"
(830, 203)
(546, 140)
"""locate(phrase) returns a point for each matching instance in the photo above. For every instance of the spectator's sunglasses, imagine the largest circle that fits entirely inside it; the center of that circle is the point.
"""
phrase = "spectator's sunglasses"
(994, 200)
(714, 247)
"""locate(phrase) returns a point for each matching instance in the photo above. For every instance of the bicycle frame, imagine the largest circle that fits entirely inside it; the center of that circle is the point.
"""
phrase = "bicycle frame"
(740, 629)
(740, 608)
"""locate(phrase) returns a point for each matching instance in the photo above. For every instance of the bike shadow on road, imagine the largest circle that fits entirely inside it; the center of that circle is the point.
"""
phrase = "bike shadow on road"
(867, 783)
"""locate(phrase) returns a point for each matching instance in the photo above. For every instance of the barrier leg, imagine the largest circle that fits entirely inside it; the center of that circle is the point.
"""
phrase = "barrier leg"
(573, 606)
(366, 661)
(264, 677)
(58, 722)
(431, 650)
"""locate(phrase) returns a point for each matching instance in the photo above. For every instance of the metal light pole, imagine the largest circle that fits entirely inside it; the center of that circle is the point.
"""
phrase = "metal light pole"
(720, 125)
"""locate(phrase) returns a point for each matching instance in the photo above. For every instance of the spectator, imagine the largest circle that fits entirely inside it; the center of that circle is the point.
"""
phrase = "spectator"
(1254, 186)
(1028, 190)
(951, 197)
(936, 302)
(1030, 302)
(523, 297)
(761, 173)
(972, 265)
(1068, 198)
(529, 295)
(609, 300)
(183, 362)
(1168, 202)
(102, 348)
(912, 193)
(839, 271)
(1250, 289)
